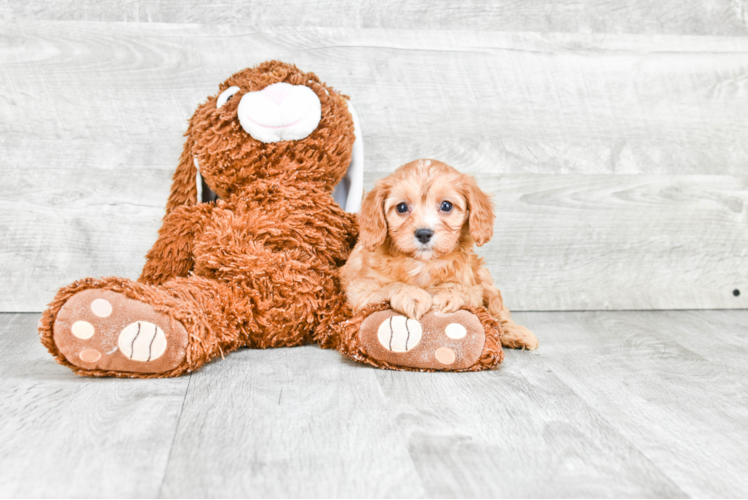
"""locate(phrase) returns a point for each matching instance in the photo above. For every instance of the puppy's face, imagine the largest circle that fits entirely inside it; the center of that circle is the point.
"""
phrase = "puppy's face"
(427, 209)
(425, 212)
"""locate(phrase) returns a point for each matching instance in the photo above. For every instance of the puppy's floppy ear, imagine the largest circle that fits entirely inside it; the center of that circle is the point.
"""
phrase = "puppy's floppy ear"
(481, 217)
(372, 225)
(184, 181)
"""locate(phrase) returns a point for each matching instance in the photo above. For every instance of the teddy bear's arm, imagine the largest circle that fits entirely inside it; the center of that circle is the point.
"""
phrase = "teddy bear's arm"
(172, 254)
(353, 229)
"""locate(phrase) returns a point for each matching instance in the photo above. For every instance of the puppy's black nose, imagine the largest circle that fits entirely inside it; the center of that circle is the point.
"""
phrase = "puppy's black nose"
(424, 235)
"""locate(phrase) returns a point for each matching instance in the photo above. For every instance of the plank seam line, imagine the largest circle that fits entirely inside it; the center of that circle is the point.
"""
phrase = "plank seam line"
(174, 438)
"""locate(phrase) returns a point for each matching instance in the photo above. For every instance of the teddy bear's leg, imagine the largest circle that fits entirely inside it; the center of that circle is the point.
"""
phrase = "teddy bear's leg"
(117, 327)
(334, 318)
(467, 340)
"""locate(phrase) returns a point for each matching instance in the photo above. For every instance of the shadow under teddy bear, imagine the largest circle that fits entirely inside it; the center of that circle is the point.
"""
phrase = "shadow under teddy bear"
(258, 267)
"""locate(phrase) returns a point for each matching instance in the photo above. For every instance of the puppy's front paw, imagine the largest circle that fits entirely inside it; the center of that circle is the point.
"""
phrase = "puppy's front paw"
(518, 337)
(411, 301)
(447, 302)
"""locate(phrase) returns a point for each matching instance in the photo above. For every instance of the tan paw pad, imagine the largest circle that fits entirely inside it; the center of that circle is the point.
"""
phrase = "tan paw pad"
(105, 330)
(445, 355)
(90, 355)
(399, 334)
(101, 308)
(455, 331)
(437, 341)
(142, 341)
(83, 330)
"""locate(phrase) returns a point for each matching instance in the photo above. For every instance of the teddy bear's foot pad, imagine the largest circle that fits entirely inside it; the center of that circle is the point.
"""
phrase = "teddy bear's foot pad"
(438, 341)
(105, 330)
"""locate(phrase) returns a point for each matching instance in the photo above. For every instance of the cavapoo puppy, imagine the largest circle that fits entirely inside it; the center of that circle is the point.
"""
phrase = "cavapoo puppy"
(417, 229)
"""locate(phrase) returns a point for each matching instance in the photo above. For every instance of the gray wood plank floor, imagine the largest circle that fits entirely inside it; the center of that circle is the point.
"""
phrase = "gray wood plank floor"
(614, 404)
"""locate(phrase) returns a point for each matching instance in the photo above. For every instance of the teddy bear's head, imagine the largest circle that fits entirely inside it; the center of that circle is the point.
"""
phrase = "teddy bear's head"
(270, 121)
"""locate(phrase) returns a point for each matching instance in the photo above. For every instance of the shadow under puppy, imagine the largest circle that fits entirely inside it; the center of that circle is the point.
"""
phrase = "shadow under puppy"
(417, 229)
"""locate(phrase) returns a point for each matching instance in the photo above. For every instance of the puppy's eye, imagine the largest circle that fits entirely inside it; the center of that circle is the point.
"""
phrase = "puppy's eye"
(402, 208)
(446, 206)
(226, 95)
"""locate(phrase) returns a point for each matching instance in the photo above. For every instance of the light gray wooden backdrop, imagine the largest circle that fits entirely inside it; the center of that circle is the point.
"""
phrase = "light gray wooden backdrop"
(613, 137)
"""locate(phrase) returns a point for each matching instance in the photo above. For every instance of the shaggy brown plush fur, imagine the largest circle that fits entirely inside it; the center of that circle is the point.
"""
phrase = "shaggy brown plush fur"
(257, 268)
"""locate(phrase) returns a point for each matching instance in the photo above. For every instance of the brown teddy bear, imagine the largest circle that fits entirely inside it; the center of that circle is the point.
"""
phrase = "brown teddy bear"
(250, 245)
(256, 268)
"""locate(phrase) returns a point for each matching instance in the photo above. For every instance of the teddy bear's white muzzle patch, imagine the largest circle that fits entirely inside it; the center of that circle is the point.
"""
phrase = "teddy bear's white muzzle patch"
(280, 112)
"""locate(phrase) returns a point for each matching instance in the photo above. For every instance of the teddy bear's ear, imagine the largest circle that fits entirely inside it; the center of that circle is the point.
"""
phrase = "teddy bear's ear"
(349, 192)
(187, 185)
(184, 189)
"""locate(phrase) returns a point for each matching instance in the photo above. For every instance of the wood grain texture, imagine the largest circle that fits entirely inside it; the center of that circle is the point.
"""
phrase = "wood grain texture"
(700, 17)
(67, 436)
(618, 242)
(99, 222)
(667, 381)
(298, 422)
(506, 102)
(91, 118)
(513, 434)
(613, 404)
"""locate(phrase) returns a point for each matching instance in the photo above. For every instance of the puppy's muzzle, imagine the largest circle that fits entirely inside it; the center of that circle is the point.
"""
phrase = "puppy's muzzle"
(424, 235)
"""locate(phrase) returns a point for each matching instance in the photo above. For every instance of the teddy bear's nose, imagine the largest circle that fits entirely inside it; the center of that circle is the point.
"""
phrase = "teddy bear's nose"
(280, 112)
(277, 92)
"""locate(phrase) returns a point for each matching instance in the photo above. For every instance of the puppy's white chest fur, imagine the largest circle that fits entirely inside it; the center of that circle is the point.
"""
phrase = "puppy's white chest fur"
(419, 274)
